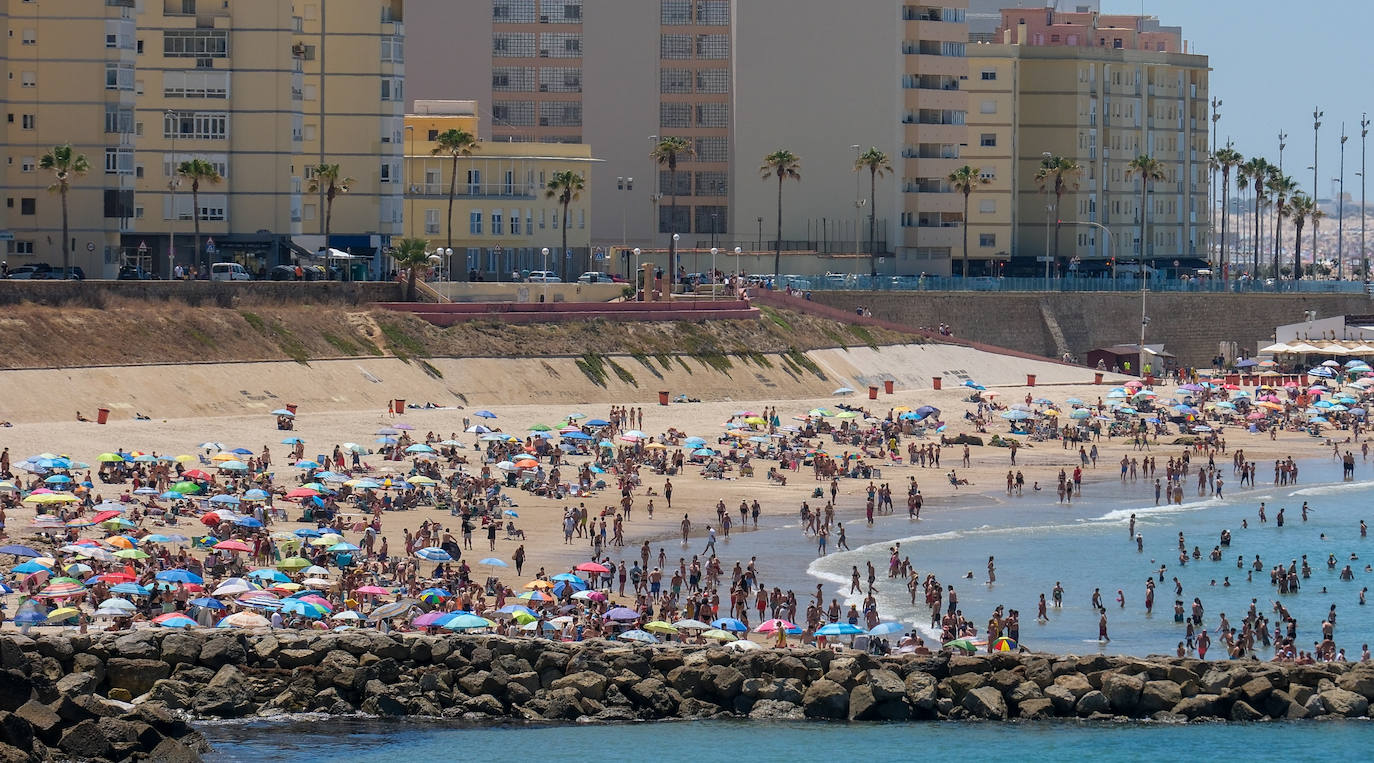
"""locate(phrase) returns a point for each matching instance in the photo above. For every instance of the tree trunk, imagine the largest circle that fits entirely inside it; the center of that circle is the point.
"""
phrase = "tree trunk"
(672, 224)
(1058, 198)
(1297, 250)
(66, 238)
(1144, 190)
(965, 226)
(873, 224)
(777, 252)
(1315, 225)
(1225, 212)
(1254, 273)
(410, 284)
(195, 221)
(563, 254)
(452, 189)
(1278, 231)
(328, 214)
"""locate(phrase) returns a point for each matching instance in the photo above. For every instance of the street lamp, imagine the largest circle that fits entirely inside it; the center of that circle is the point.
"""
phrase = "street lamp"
(1047, 157)
(1364, 254)
(172, 184)
(447, 254)
(738, 251)
(545, 274)
(1340, 214)
(638, 287)
(714, 251)
(624, 185)
(672, 252)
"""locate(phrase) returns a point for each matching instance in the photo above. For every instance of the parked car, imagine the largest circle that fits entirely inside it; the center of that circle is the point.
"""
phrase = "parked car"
(543, 276)
(229, 271)
(24, 272)
(45, 272)
(134, 273)
(596, 277)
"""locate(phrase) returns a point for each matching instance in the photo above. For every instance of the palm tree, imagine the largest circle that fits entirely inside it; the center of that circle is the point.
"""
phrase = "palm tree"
(964, 180)
(410, 253)
(666, 153)
(329, 180)
(1280, 187)
(1059, 174)
(1301, 208)
(1149, 169)
(565, 187)
(876, 162)
(784, 164)
(1252, 175)
(454, 143)
(64, 164)
(1227, 159)
(198, 171)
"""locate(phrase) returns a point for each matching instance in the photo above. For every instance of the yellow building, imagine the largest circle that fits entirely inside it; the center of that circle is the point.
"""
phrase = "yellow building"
(502, 216)
(263, 91)
(1101, 107)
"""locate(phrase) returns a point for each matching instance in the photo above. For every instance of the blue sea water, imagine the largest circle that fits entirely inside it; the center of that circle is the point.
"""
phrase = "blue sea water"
(353, 740)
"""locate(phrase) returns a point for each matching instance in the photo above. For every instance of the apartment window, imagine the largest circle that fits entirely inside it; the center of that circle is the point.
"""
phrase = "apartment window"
(675, 12)
(712, 150)
(512, 11)
(560, 115)
(675, 46)
(119, 33)
(21, 247)
(195, 125)
(560, 45)
(987, 176)
(987, 240)
(710, 219)
(119, 161)
(28, 79)
(713, 46)
(30, 37)
(675, 81)
(27, 121)
(212, 207)
(713, 12)
(582, 219)
(987, 206)
(713, 114)
(554, 215)
(497, 225)
(989, 75)
(529, 221)
(560, 80)
(512, 45)
(988, 140)
(385, 174)
(119, 204)
(392, 89)
(431, 222)
(195, 43)
(1116, 43)
(713, 81)
(712, 183)
(474, 182)
(513, 113)
(560, 11)
(26, 164)
(119, 76)
(195, 84)
(543, 214)
(675, 115)
(119, 120)
(515, 222)
(28, 206)
(393, 48)
(952, 49)
(475, 222)
(512, 79)
(170, 162)
(988, 107)
(684, 183)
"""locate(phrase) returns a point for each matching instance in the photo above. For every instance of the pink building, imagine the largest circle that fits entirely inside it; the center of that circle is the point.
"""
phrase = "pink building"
(1045, 26)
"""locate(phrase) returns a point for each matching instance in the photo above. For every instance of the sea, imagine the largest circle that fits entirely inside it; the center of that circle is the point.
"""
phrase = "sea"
(1035, 543)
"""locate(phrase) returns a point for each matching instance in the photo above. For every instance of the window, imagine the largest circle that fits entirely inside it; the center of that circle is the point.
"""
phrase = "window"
(118, 119)
(988, 107)
(119, 76)
(675, 46)
(987, 176)
(675, 81)
(989, 75)
(28, 206)
(170, 162)
(119, 204)
(675, 12)
(712, 150)
(392, 89)
(560, 80)
(195, 84)
(119, 161)
(431, 222)
(26, 164)
(385, 176)
(28, 79)
(512, 79)
(21, 247)
(27, 121)
(560, 115)
(475, 222)
(713, 114)
(515, 222)
(512, 11)
(987, 206)
(512, 45)
(195, 125)
(710, 219)
(713, 81)
(675, 115)
(30, 37)
(713, 46)
(474, 182)
(582, 219)
(713, 12)
(987, 139)
(195, 43)
(987, 240)
(497, 226)
(513, 113)
(560, 45)
(684, 183)
(712, 183)
(393, 48)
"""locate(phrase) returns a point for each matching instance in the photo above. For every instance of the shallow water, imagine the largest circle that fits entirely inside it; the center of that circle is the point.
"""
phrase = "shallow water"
(351, 740)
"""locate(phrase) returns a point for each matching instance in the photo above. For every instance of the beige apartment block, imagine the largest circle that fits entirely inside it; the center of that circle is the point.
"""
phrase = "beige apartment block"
(1101, 107)
(502, 218)
(69, 78)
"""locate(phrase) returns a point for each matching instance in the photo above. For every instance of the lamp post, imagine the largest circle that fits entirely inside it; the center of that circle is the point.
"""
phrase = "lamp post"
(545, 275)
(1048, 156)
(1317, 114)
(172, 184)
(759, 245)
(624, 185)
(858, 206)
(405, 179)
(1104, 229)
(447, 252)
(636, 281)
(672, 256)
(714, 252)
(1340, 213)
(1364, 254)
(1211, 220)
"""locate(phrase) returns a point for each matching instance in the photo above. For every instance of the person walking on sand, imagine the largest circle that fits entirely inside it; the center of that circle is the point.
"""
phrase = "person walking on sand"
(686, 528)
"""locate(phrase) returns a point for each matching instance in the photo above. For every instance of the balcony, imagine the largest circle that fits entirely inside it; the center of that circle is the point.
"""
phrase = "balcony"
(474, 191)
(943, 100)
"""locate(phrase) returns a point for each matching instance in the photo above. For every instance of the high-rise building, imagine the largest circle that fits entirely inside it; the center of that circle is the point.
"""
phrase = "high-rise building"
(985, 16)
(262, 91)
(1098, 91)
(737, 79)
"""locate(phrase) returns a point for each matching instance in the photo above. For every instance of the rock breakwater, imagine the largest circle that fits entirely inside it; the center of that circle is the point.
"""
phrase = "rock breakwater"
(131, 696)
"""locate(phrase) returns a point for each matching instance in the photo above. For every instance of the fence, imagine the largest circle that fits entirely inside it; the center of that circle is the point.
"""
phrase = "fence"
(851, 282)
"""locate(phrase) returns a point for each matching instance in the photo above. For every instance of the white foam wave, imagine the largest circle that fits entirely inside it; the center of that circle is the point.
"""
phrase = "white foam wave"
(1120, 515)
(1334, 489)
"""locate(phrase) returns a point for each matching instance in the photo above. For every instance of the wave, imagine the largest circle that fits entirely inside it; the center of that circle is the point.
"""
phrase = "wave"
(1334, 489)
(1148, 511)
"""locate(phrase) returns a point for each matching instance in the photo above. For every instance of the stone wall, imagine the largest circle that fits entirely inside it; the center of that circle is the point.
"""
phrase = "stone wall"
(97, 294)
(1191, 325)
(109, 696)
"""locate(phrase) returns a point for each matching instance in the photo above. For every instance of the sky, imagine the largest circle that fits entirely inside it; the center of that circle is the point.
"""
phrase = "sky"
(1272, 62)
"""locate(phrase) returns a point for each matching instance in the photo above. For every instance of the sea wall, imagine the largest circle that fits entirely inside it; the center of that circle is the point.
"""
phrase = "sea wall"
(98, 294)
(111, 695)
(1051, 323)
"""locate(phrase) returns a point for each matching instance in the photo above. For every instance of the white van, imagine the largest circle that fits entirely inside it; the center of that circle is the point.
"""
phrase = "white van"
(228, 271)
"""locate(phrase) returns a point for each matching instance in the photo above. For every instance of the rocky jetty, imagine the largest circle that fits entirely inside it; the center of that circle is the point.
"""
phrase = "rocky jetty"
(134, 695)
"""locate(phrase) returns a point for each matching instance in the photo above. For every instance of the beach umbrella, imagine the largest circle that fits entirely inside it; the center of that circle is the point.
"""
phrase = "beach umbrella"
(592, 567)
(433, 619)
(231, 545)
(118, 604)
(588, 596)
(208, 603)
(244, 620)
(174, 620)
(839, 629)
(267, 573)
(716, 634)
(494, 562)
(962, 644)
(304, 608)
(534, 596)
(691, 625)
(729, 624)
(643, 637)
(660, 626)
(61, 590)
(468, 622)
(109, 458)
(130, 589)
(768, 626)
(517, 609)
(621, 613)
(179, 576)
(1004, 644)
(392, 610)
(18, 550)
(297, 562)
(348, 615)
(885, 629)
(434, 554)
(234, 586)
(373, 590)
(62, 613)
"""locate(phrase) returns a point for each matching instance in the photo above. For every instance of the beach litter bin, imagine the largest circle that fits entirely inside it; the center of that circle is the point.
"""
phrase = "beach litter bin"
(1030, 380)
(872, 392)
(291, 407)
(398, 405)
(102, 415)
(887, 386)
(1097, 378)
(935, 382)
(662, 397)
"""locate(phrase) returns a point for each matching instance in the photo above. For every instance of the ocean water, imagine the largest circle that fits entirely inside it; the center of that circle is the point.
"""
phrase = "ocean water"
(352, 740)
(1086, 546)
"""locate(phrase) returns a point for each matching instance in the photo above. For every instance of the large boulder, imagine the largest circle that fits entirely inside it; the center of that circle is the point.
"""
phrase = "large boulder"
(227, 695)
(985, 702)
(1243, 711)
(826, 699)
(886, 685)
(1344, 703)
(138, 645)
(223, 650)
(1256, 690)
(776, 710)
(921, 691)
(138, 676)
(1123, 692)
(85, 741)
(1198, 706)
(45, 723)
(1157, 696)
(587, 684)
(1360, 681)
(1092, 702)
(1064, 700)
(723, 682)
(1073, 683)
(1035, 709)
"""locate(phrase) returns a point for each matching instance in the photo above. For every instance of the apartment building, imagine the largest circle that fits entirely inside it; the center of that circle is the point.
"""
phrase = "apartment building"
(261, 90)
(1100, 106)
(502, 216)
(737, 79)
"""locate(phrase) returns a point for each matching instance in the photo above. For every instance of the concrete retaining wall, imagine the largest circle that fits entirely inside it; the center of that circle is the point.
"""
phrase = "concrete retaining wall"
(1191, 326)
(488, 291)
(222, 293)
